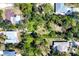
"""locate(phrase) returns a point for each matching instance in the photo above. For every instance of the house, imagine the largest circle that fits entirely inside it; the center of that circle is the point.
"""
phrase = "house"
(64, 46)
(11, 16)
(15, 19)
(61, 46)
(7, 53)
(60, 8)
(12, 37)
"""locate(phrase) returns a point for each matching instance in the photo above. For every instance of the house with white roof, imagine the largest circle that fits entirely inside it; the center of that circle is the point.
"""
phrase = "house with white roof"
(60, 8)
(64, 46)
(15, 19)
(12, 37)
(61, 46)
(11, 16)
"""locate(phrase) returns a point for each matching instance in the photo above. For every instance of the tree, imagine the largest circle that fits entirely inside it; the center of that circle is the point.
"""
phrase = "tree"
(1, 13)
(53, 53)
(52, 34)
(26, 8)
(73, 22)
(2, 38)
(9, 46)
(47, 8)
(77, 51)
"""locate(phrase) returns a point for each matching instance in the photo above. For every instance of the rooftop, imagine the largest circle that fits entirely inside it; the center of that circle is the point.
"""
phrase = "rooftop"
(9, 53)
(61, 46)
(12, 37)
(60, 8)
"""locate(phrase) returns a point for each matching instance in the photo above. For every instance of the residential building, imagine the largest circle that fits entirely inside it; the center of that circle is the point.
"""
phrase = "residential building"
(12, 37)
(64, 46)
(11, 16)
(15, 19)
(7, 53)
(60, 8)
(61, 46)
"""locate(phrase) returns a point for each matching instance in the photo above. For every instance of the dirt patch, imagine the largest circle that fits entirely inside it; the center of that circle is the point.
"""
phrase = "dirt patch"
(55, 27)
(41, 30)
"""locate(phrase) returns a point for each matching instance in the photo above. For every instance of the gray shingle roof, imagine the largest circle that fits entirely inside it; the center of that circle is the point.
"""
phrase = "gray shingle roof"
(9, 53)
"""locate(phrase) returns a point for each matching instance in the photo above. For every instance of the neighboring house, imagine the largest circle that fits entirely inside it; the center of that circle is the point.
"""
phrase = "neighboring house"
(7, 53)
(60, 8)
(11, 16)
(12, 37)
(61, 46)
(64, 46)
(15, 19)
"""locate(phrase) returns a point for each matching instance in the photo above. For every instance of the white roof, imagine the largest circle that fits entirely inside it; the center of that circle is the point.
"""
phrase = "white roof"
(16, 19)
(61, 9)
(61, 46)
(12, 37)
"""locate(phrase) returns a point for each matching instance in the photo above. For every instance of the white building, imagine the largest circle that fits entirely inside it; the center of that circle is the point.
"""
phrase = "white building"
(12, 37)
(15, 19)
(61, 46)
(60, 8)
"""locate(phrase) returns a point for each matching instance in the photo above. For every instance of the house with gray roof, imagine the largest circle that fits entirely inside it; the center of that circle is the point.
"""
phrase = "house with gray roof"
(7, 53)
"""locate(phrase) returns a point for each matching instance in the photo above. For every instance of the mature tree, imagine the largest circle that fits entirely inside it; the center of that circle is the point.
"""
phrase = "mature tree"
(47, 8)
(1, 13)
(26, 8)
(52, 34)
